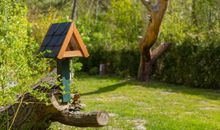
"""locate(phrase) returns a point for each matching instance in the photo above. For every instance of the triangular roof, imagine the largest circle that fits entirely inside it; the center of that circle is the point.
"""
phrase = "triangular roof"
(63, 41)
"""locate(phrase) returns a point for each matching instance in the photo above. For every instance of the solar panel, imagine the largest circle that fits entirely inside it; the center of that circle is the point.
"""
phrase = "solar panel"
(53, 28)
(60, 40)
(63, 28)
(46, 40)
(54, 41)
(54, 38)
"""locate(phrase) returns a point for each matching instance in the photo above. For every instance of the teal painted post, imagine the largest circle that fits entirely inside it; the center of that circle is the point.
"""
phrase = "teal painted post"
(63, 69)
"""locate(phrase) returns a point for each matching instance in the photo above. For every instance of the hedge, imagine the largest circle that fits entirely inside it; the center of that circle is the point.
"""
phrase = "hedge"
(185, 64)
(190, 65)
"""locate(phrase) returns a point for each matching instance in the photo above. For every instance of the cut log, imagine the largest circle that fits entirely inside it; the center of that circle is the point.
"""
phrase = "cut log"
(31, 114)
(92, 119)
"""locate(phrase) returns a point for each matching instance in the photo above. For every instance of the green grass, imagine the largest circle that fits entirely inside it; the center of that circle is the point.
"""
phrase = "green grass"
(155, 106)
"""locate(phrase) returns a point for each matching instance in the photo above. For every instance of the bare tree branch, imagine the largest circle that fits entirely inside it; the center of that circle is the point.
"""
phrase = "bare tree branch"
(156, 53)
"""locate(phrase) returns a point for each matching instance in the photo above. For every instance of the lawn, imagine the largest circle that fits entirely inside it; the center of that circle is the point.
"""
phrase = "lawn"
(154, 106)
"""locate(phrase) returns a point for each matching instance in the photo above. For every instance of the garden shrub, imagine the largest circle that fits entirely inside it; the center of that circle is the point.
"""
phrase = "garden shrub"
(191, 65)
(19, 67)
(120, 62)
(188, 64)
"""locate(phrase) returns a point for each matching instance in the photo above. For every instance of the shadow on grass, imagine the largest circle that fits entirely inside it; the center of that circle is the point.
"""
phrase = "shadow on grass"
(106, 89)
(172, 88)
(206, 93)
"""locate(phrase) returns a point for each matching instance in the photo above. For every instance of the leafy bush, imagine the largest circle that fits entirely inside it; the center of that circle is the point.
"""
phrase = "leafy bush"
(121, 62)
(191, 65)
(94, 71)
(187, 64)
(19, 68)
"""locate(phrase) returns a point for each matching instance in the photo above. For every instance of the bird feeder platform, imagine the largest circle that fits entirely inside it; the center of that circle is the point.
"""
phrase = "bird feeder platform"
(63, 42)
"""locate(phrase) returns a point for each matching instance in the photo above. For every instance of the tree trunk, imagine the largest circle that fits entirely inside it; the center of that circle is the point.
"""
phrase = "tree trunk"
(145, 67)
(32, 114)
(156, 16)
(74, 10)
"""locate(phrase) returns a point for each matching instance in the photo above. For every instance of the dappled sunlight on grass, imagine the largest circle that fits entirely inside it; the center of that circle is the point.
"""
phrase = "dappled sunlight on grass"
(135, 105)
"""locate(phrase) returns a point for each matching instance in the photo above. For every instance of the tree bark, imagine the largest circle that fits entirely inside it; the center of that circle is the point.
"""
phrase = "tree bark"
(156, 13)
(74, 10)
(79, 119)
(31, 114)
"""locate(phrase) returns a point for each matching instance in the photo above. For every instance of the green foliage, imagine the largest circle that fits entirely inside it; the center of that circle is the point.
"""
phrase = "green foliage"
(120, 62)
(192, 25)
(116, 25)
(41, 23)
(187, 64)
(43, 5)
(196, 20)
(176, 23)
(19, 66)
(94, 71)
(191, 65)
(111, 29)
(125, 22)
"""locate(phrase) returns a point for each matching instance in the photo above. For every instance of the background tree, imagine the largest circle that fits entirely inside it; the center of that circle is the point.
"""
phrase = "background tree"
(74, 10)
(156, 13)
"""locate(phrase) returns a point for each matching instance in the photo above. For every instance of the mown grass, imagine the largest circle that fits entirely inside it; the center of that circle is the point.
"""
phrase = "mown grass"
(154, 106)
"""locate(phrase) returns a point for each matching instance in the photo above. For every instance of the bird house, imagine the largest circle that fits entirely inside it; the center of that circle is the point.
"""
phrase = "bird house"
(63, 42)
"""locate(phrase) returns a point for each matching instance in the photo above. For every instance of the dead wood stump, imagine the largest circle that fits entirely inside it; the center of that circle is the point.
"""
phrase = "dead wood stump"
(31, 114)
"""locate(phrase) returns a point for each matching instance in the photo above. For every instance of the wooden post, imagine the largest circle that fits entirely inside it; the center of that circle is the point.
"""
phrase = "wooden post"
(102, 69)
(63, 70)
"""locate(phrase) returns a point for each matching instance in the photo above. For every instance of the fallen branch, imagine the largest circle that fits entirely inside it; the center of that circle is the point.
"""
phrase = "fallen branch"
(91, 119)
(32, 114)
